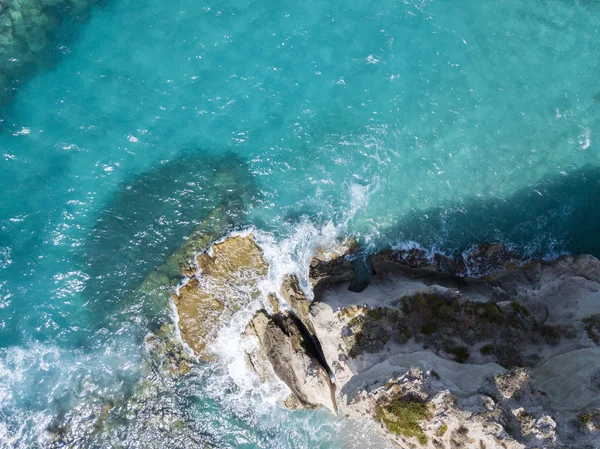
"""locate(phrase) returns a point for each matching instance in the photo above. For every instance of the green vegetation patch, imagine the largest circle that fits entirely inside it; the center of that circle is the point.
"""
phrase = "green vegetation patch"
(551, 334)
(460, 353)
(402, 414)
(448, 324)
(377, 313)
(519, 308)
(591, 325)
(487, 350)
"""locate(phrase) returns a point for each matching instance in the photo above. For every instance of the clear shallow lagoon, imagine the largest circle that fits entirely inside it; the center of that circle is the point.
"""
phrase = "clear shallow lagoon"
(429, 121)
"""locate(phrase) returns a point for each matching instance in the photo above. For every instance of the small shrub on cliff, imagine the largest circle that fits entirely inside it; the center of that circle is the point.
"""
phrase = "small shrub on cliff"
(492, 313)
(372, 337)
(357, 320)
(591, 325)
(376, 314)
(519, 308)
(403, 332)
(429, 328)
(551, 334)
(460, 353)
(401, 415)
(487, 350)
(350, 312)
(448, 325)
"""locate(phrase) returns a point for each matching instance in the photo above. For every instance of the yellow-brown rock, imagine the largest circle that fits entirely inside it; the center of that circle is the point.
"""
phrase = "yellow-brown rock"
(228, 280)
(232, 257)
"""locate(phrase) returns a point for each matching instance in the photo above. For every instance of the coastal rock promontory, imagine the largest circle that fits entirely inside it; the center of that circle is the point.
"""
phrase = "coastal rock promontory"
(483, 350)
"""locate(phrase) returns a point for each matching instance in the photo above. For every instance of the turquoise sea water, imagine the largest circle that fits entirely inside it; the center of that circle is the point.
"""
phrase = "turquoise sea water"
(443, 123)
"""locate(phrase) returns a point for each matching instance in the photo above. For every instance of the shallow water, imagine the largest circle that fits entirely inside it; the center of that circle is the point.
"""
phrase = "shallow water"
(393, 121)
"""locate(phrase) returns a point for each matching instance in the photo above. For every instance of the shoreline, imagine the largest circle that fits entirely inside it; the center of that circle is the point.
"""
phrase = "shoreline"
(344, 341)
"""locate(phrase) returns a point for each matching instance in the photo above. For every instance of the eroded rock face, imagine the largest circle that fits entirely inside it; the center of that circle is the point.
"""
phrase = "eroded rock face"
(481, 260)
(294, 296)
(331, 266)
(489, 257)
(415, 412)
(292, 358)
(228, 279)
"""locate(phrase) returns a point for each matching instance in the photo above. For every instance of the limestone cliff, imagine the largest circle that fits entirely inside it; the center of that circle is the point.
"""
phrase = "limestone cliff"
(439, 359)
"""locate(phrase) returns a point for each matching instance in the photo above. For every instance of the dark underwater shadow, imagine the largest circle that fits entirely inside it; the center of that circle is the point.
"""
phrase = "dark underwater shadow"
(560, 214)
(40, 41)
(149, 217)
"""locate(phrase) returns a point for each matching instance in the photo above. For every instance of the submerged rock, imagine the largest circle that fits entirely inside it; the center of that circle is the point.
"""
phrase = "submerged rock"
(27, 29)
(166, 353)
(143, 406)
(182, 207)
(147, 402)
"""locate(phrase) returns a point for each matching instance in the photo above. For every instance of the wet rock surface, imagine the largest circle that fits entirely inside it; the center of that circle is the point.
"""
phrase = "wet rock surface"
(227, 278)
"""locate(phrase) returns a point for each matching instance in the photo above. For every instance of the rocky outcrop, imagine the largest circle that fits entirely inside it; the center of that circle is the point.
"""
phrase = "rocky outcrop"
(227, 278)
(483, 350)
(293, 358)
(334, 265)
(440, 359)
(480, 351)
